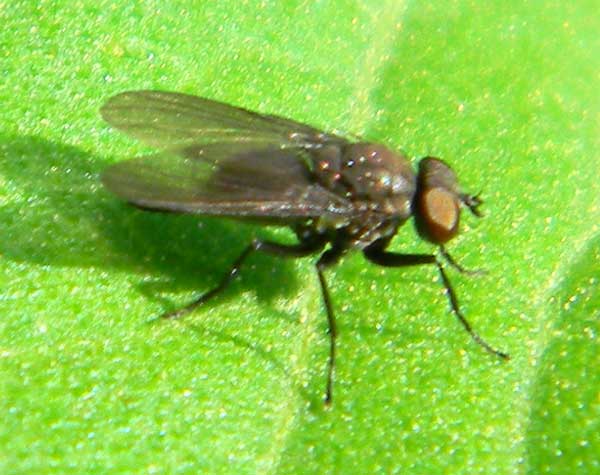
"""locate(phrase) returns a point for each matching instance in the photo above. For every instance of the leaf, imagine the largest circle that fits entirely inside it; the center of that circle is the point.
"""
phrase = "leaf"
(563, 433)
(506, 93)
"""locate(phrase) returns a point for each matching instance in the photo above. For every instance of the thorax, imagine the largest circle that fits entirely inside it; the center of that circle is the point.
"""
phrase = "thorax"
(378, 183)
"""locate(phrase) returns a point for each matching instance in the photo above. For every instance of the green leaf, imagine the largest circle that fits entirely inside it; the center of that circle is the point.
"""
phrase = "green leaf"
(90, 381)
(564, 430)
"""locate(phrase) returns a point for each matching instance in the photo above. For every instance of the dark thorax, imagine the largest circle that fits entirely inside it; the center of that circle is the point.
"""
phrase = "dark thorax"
(380, 185)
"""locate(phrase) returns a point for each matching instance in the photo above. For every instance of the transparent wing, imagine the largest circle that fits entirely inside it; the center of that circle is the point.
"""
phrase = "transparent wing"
(226, 180)
(171, 120)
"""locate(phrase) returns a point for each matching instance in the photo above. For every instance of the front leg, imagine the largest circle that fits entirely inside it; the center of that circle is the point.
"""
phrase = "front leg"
(380, 256)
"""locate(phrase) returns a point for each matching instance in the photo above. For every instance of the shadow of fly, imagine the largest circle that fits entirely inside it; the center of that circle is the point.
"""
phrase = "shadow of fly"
(335, 194)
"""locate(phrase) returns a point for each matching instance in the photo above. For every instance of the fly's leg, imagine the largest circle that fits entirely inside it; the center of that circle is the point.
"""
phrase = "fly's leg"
(450, 260)
(391, 259)
(328, 259)
(304, 248)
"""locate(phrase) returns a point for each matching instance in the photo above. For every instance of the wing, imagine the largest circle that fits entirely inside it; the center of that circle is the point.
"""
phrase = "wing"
(171, 120)
(227, 180)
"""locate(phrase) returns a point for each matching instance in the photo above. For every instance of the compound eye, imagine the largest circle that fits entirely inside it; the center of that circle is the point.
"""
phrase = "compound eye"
(440, 214)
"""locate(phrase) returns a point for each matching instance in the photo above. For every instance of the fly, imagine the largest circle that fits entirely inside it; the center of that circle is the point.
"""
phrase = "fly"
(335, 194)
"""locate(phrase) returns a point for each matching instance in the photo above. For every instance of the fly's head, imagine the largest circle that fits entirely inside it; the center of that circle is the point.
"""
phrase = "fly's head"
(438, 201)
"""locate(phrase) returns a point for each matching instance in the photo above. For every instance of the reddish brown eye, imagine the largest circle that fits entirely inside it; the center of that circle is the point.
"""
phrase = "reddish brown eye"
(437, 201)
(440, 212)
